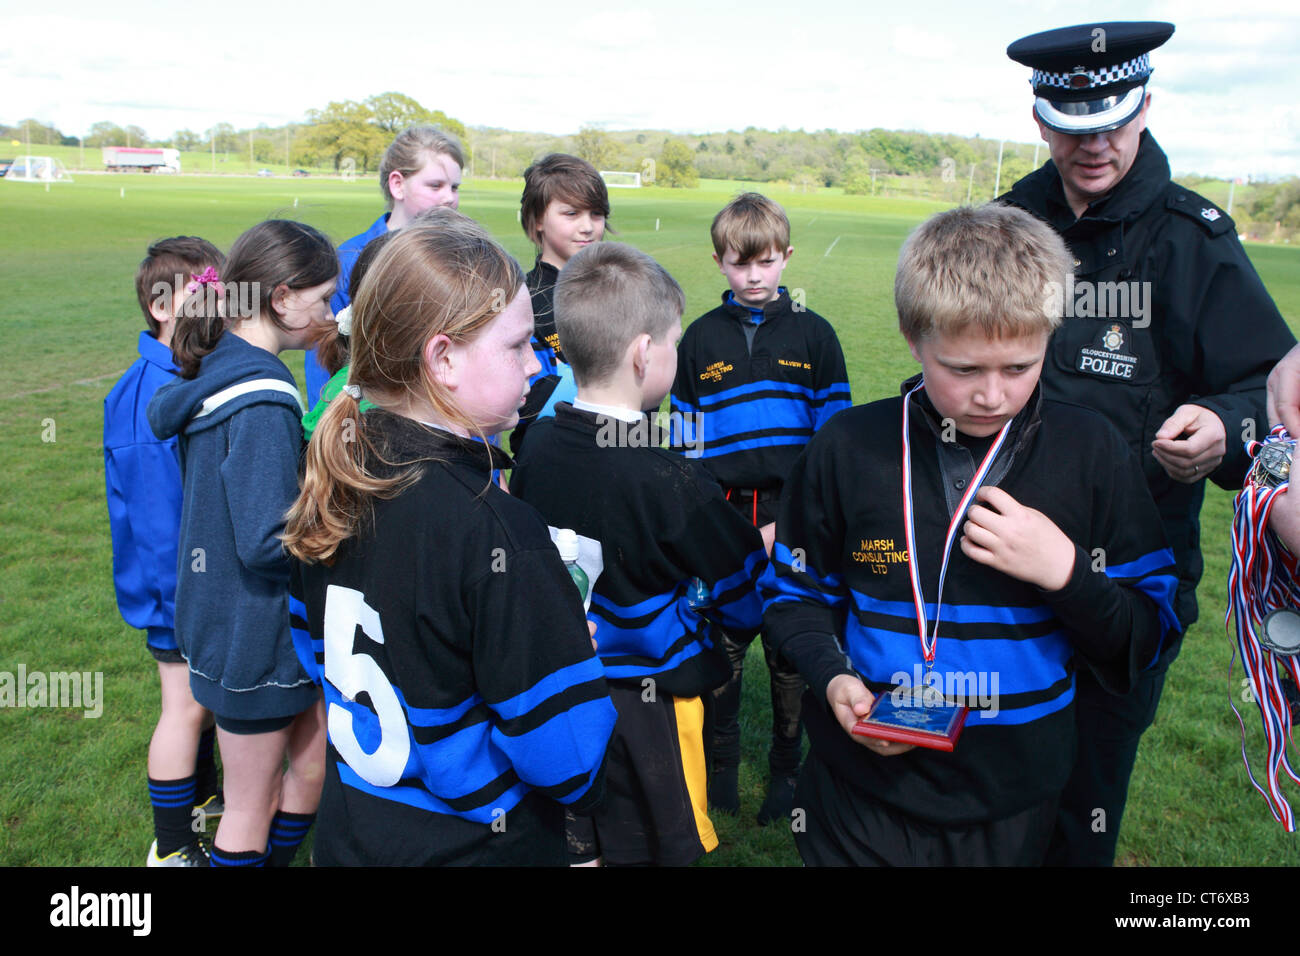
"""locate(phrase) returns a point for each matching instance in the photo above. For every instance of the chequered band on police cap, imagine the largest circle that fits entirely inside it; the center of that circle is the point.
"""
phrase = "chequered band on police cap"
(1138, 66)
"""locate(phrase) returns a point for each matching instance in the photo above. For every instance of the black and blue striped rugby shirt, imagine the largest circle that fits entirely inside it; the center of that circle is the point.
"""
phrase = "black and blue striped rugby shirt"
(465, 704)
(753, 386)
(838, 599)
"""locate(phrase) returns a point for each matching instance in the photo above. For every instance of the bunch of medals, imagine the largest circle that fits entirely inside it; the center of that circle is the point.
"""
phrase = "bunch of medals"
(1263, 595)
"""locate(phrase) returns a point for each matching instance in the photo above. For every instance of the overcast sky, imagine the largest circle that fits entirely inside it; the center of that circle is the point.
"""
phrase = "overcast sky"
(1226, 88)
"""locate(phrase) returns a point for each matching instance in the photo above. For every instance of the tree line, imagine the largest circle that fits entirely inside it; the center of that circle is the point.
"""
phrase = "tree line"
(355, 133)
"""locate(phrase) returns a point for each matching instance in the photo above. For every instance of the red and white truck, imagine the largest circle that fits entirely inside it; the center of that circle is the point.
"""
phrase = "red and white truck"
(134, 159)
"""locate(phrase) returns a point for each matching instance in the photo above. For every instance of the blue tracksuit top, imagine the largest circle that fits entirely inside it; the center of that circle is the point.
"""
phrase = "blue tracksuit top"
(349, 252)
(143, 478)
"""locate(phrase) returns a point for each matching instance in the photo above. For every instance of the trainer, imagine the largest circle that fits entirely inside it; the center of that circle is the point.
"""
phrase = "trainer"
(1169, 333)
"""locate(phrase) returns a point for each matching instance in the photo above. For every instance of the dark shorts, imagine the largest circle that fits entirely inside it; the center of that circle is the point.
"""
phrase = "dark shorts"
(266, 725)
(760, 512)
(164, 656)
(844, 826)
(654, 812)
(162, 645)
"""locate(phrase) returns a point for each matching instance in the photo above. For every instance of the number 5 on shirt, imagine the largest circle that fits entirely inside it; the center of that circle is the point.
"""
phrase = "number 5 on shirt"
(355, 674)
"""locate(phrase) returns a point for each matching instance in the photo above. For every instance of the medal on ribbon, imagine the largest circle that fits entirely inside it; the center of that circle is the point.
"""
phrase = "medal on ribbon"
(1263, 592)
(922, 715)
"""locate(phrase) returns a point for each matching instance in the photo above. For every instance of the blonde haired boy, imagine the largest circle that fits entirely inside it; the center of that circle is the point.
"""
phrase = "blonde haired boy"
(1036, 516)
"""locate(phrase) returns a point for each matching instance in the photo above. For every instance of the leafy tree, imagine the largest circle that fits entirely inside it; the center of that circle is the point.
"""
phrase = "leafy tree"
(594, 145)
(37, 132)
(344, 129)
(136, 136)
(186, 139)
(676, 166)
(268, 144)
(394, 112)
(444, 122)
(225, 138)
(105, 133)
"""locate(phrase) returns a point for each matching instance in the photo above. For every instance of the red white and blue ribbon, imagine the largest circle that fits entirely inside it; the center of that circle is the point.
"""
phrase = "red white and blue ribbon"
(929, 638)
(1264, 577)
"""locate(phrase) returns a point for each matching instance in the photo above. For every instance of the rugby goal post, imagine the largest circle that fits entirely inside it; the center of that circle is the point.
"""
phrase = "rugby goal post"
(37, 169)
(617, 179)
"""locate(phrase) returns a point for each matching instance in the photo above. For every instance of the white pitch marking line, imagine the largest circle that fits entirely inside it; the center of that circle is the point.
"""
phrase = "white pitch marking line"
(812, 220)
(55, 388)
(830, 247)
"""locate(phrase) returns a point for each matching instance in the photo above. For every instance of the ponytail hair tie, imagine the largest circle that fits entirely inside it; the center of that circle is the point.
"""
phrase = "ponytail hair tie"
(207, 277)
(354, 391)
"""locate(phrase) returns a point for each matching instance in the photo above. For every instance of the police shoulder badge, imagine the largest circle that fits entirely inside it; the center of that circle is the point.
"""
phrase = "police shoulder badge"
(1209, 213)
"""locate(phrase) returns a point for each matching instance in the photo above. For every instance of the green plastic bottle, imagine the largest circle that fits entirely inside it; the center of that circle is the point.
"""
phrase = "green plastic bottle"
(567, 542)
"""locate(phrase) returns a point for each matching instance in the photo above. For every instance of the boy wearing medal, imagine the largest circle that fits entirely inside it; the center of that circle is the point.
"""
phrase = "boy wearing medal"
(966, 544)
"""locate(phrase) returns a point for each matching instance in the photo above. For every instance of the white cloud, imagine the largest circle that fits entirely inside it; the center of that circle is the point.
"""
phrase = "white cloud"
(1224, 84)
(923, 44)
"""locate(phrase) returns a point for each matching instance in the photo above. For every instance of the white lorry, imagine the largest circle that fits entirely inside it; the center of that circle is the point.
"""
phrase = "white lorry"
(134, 159)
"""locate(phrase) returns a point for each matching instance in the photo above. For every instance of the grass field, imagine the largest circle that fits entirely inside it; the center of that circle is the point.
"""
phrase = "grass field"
(72, 789)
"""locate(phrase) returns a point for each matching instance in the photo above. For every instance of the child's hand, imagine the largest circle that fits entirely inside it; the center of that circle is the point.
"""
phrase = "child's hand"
(1016, 540)
(768, 531)
(851, 701)
(591, 629)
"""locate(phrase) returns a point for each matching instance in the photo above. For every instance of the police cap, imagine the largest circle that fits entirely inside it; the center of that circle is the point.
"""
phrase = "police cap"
(1092, 77)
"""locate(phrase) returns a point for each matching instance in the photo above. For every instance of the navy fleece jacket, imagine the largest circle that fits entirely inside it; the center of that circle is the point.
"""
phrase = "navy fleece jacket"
(240, 465)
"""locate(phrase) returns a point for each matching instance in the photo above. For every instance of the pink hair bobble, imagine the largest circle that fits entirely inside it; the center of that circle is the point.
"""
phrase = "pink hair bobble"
(206, 277)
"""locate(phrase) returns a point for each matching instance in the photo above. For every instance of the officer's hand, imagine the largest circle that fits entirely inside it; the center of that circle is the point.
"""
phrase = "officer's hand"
(1284, 392)
(1190, 444)
(1018, 541)
(851, 701)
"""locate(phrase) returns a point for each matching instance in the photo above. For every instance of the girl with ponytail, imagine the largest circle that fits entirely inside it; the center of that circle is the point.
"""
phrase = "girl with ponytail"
(460, 683)
(237, 413)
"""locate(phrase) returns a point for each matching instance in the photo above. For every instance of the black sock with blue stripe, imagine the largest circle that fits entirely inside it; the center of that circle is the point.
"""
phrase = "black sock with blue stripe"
(205, 768)
(288, 830)
(173, 805)
(222, 857)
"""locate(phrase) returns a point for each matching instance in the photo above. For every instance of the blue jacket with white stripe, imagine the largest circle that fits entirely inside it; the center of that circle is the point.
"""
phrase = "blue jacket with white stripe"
(838, 597)
(239, 453)
(752, 388)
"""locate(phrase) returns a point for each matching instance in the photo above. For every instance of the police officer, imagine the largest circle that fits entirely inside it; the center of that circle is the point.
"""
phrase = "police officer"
(1168, 332)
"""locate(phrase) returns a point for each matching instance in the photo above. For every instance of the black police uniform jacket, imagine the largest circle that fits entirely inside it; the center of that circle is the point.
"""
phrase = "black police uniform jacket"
(1209, 336)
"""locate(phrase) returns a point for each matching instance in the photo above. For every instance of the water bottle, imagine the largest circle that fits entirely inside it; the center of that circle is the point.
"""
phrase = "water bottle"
(698, 595)
(566, 540)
